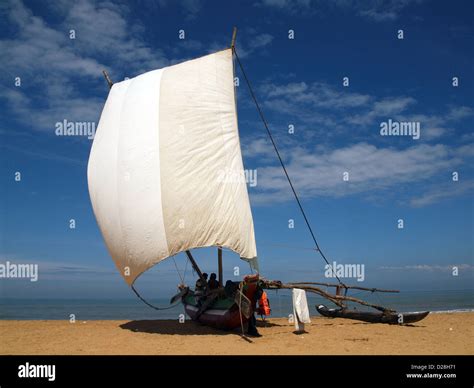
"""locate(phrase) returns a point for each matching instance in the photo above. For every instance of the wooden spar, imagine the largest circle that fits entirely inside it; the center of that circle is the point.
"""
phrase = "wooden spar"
(219, 263)
(234, 36)
(195, 266)
(107, 78)
(336, 299)
(344, 286)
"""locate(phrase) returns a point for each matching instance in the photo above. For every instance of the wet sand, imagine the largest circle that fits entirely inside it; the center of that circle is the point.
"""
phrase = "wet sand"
(444, 334)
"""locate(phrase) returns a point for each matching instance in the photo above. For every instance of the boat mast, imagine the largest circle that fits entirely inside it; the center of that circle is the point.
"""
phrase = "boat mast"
(234, 35)
(107, 78)
(219, 263)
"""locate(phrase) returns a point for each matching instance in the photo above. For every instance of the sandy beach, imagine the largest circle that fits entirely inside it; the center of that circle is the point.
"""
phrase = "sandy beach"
(437, 334)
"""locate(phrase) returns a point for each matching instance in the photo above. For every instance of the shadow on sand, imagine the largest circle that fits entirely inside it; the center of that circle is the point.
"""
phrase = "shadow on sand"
(171, 327)
(186, 328)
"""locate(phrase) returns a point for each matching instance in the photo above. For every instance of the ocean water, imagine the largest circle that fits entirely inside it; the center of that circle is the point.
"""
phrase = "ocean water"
(280, 301)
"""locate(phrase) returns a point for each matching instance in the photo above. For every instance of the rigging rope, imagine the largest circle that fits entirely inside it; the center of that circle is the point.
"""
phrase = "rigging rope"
(149, 304)
(262, 117)
(182, 282)
(185, 269)
(177, 270)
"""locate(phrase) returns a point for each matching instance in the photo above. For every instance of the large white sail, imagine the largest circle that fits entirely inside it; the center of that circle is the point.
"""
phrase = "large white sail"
(164, 164)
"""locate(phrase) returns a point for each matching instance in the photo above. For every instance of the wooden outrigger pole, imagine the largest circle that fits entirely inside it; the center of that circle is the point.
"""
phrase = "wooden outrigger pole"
(336, 299)
(344, 286)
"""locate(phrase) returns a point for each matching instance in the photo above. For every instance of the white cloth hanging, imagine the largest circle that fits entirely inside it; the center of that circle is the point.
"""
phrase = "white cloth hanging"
(300, 309)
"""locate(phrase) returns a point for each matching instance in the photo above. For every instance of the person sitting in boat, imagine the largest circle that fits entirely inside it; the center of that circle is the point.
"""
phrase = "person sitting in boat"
(231, 288)
(213, 283)
(201, 288)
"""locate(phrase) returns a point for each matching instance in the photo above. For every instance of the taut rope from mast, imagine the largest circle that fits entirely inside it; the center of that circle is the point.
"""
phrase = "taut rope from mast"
(264, 121)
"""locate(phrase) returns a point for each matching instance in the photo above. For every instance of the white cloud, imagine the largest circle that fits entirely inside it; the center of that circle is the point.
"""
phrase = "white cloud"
(438, 125)
(460, 112)
(260, 147)
(38, 47)
(51, 65)
(372, 169)
(112, 36)
(386, 107)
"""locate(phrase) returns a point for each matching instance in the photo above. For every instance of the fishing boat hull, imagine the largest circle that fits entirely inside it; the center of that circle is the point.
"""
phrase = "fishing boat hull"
(227, 319)
(372, 316)
(221, 311)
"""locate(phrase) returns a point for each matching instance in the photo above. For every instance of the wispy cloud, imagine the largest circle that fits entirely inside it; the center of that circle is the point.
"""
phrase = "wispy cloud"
(429, 267)
(375, 10)
(329, 113)
(46, 155)
(387, 107)
(442, 191)
(52, 268)
(381, 11)
(249, 42)
(60, 268)
(328, 108)
(51, 65)
(259, 41)
(292, 6)
(190, 8)
(438, 125)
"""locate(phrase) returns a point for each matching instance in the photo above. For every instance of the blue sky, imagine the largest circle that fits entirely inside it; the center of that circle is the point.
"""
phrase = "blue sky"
(299, 82)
